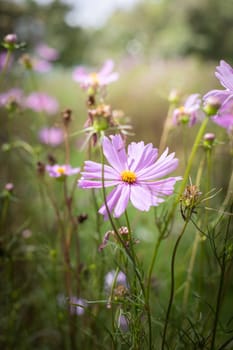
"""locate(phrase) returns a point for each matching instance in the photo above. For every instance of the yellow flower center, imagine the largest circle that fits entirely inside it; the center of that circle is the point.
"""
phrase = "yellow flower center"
(61, 170)
(95, 79)
(182, 110)
(128, 176)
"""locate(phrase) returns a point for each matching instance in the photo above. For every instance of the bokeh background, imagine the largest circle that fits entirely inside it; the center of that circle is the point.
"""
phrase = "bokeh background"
(157, 46)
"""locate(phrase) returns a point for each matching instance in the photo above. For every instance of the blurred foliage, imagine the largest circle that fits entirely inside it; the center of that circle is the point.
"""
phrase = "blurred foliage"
(151, 29)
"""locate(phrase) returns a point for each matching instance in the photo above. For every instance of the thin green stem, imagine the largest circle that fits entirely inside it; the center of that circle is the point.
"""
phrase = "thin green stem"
(221, 283)
(172, 283)
(128, 252)
(187, 171)
(7, 61)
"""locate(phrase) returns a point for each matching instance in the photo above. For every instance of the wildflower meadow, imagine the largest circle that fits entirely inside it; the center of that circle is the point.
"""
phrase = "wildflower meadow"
(109, 241)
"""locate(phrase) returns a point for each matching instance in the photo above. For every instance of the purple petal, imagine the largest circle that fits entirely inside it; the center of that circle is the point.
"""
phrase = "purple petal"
(93, 170)
(224, 73)
(114, 151)
(141, 156)
(123, 201)
(140, 197)
(107, 68)
(112, 199)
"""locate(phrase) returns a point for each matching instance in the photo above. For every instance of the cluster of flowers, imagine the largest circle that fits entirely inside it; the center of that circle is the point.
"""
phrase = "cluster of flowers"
(218, 104)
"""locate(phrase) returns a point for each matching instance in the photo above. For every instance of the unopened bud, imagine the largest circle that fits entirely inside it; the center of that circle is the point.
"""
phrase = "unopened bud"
(10, 39)
(212, 105)
(40, 168)
(66, 115)
(9, 187)
(174, 97)
(51, 159)
(208, 140)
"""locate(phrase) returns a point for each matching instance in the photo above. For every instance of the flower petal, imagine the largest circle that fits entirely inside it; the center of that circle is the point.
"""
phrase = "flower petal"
(112, 199)
(141, 156)
(114, 151)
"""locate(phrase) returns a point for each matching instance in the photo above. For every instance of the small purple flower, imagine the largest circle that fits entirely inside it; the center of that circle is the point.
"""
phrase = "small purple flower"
(12, 95)
(47, 53)
(77, 306)
(61, 170)
(190, 113)
(224, 73)
(51, 136)
(120, 280)
(135, 176)
(102, 78)
(41, 102)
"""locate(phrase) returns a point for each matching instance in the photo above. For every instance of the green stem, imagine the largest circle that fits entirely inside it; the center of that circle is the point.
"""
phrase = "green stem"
(7, 61)
(187, 171)
(195, 244)
(128, 252)
(172, 283)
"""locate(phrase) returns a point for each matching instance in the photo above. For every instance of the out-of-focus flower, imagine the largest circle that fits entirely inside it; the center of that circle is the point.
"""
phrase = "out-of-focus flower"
(190, 113)
(135, 176)
(120, 280)
(47, 53)
(224, 117)
(10, 97)
(10, 38)
(61, 170)
(77, 306)
(41, 102)
(208, 140)
(224, 73)
(3, 56)
(9, 187)
(51, 136)
(41, 66)
(123, 322)
(102, 78)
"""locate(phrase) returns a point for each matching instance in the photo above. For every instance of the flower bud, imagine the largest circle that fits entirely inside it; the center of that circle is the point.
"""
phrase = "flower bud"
(212, 105)
(10, 39)
(66, 115)
(208, 140)
(9, 187)
(174, 97)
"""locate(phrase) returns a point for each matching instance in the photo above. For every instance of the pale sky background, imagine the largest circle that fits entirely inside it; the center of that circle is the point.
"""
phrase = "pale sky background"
(92, 13)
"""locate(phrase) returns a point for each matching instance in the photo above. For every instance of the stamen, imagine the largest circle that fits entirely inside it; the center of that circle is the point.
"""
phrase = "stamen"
(128, 176)
(61, 170)
(95, 79)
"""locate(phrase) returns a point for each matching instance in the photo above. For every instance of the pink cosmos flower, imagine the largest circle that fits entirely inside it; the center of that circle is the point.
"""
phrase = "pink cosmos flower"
(135, 176)
(47, 53)
(51, 136)
(190, 113)
(41, 102)
(102, 78)
(224, 73)
(224, 114)
(12, 95)
(61, 170)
